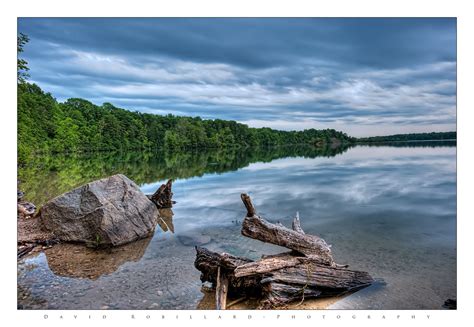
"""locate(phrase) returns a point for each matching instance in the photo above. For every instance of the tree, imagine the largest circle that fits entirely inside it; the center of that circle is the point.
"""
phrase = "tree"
(67, 139)
(172, 141)
(22, 64)
(78, 125)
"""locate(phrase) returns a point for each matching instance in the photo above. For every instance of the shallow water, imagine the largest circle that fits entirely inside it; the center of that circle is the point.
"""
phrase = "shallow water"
(387, 210)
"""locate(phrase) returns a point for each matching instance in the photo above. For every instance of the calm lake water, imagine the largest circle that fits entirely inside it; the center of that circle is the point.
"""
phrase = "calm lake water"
(388, 210)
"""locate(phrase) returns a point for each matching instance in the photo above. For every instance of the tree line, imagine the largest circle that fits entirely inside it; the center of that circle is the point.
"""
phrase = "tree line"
(77, 125)
(433, 136)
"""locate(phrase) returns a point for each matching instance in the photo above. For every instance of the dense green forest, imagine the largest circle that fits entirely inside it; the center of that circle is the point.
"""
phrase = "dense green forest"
(77, 125)
(410, 137)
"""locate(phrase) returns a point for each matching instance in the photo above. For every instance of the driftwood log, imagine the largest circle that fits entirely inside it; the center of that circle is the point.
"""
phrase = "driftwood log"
(163, 196)
(307, 271)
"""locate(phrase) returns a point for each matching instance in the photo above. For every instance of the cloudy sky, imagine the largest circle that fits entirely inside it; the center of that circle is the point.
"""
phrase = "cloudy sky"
(362, 76)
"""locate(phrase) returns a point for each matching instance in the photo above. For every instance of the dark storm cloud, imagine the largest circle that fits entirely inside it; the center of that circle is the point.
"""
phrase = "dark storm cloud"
(258, 42)
(283, 73)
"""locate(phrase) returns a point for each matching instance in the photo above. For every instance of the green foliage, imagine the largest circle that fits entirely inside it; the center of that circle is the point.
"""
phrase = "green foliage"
(37, 122)
(97, 242)
(77, 125)
(67, 136)
(410, 137)
(22, 64)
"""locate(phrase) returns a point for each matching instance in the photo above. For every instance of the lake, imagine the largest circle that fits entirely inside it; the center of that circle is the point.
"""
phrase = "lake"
(387, 209)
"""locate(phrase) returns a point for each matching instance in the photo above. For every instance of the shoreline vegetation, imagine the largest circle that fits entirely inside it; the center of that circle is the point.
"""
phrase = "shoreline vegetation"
(411, 137)
(46, 126)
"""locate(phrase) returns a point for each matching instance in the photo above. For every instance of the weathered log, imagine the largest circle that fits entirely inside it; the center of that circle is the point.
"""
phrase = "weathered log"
(163, 196)
(311, 273)
(296, 225)
(256, 227)
(207, 262)
(278, 294)
(248, 204)
(266, 265)
(278, 280)
(283, 254)
(287, 278)
(221, 289)
(307, 271)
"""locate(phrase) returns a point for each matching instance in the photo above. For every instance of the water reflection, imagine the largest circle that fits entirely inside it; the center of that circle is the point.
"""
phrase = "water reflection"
(165, 220)
(79, 261)
(390, 211)
(49, 176)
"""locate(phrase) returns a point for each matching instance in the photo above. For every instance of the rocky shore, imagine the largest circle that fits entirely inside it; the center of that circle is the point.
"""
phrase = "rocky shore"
(108, 212)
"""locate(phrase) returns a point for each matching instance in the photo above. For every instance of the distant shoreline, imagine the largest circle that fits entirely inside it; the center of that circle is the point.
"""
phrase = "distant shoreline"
(407, 141)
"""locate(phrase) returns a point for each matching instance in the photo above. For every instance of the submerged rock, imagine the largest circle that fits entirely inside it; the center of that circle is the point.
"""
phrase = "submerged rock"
(194, 239)
(107, 212)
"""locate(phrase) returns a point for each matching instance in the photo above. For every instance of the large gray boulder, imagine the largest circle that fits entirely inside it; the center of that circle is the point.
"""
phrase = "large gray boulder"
(107, 212)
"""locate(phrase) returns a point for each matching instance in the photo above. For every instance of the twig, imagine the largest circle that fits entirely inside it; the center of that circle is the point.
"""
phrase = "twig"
(236, 301)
